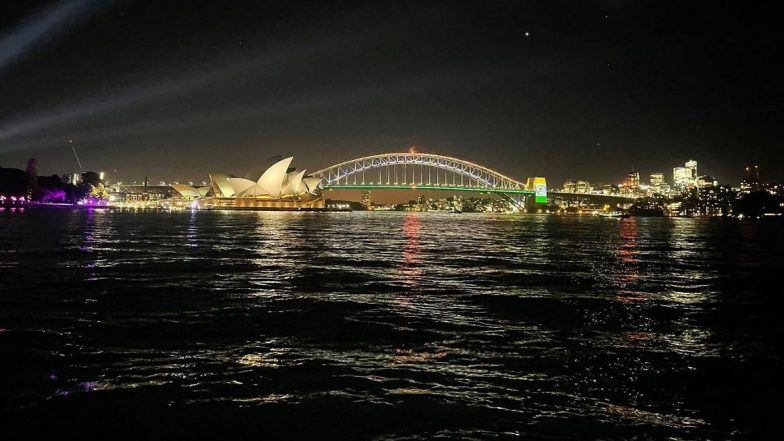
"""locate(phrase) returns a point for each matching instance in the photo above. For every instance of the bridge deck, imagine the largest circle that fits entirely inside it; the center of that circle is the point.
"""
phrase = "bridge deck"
(425, 187)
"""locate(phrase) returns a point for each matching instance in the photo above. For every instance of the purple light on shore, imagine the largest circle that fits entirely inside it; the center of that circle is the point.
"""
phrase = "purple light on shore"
(52, 196)
(92, 202)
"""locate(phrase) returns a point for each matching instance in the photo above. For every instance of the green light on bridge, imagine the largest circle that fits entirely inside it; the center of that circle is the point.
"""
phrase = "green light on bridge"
(429, 187)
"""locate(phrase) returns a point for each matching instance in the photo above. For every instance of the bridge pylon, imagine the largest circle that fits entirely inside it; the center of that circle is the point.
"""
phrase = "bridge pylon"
(539, 186)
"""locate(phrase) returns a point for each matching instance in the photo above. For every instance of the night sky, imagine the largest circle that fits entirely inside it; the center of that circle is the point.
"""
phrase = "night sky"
(576, 89)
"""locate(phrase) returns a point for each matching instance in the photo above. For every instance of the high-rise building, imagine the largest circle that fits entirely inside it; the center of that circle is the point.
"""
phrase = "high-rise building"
(632, 181)
(680, 177)
(656, 182)
(685, 177)
(657, 179)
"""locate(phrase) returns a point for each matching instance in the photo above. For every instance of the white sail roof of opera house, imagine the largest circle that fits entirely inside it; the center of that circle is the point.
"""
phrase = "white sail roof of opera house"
(221, 185)
(276, 182)
(191, 192)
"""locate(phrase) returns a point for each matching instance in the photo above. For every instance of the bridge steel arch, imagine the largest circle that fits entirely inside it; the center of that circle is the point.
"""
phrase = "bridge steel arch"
(487, 180)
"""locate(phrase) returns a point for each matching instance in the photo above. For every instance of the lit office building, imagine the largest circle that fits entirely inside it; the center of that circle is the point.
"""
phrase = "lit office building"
(680, 177)
(685, 177)
(657, 179)
(656, 184)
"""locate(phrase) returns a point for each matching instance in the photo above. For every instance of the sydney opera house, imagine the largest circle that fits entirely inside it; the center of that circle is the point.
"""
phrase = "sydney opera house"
(279, 188)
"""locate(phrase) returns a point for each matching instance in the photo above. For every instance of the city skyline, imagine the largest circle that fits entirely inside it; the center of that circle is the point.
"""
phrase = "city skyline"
(574, 89)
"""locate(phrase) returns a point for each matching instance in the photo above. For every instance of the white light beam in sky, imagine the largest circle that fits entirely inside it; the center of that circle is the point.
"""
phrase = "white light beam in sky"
(42, 28)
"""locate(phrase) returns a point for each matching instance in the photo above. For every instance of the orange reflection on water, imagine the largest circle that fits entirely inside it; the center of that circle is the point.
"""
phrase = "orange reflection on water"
(628, 252)
(409, 268)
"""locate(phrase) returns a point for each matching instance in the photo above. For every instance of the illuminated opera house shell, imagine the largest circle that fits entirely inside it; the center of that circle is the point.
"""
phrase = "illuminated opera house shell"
(190, 192)
(275, 183)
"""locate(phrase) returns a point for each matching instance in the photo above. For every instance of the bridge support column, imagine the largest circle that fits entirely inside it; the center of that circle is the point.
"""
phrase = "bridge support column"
(530, 204)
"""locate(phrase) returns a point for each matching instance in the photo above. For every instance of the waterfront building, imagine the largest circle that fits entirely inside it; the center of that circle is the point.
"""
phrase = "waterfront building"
(140, 193)
(715, 200)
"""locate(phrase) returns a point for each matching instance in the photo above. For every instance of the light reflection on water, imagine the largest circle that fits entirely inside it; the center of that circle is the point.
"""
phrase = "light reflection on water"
(409, 268)
(422, 323)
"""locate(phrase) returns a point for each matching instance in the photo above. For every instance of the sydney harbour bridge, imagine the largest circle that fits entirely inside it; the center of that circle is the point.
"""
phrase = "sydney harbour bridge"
(425, 171)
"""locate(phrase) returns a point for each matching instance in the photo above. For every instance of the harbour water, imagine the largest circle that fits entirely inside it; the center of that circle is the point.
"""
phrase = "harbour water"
(371, 325)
